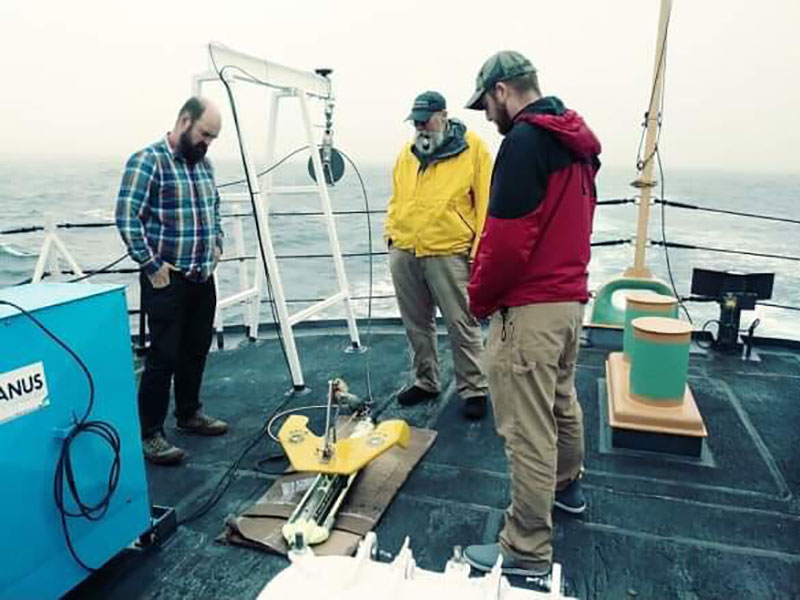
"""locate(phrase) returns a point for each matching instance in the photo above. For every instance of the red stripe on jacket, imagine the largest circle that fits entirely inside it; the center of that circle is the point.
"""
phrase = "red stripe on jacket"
(543, 256)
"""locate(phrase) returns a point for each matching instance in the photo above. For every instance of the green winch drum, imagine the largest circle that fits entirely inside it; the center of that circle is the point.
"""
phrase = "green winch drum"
(659, 360)
(645, 304)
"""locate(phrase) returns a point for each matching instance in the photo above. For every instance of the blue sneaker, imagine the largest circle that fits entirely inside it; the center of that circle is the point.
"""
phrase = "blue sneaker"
(571, 499)
(483, 558)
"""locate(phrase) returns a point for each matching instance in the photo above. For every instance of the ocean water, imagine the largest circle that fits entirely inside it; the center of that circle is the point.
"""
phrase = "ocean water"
(80, 191)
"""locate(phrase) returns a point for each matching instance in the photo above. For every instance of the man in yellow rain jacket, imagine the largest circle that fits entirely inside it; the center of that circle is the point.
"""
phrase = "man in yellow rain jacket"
(436, 214)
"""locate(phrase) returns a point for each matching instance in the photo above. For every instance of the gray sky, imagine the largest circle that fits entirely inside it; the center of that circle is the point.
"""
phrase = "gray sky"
(103, 78)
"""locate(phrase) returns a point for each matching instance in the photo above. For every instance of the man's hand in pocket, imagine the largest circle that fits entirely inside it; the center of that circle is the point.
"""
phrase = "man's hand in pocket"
(160, 279)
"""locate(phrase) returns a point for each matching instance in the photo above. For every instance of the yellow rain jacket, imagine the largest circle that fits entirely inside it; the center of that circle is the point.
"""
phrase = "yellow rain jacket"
(441, 209)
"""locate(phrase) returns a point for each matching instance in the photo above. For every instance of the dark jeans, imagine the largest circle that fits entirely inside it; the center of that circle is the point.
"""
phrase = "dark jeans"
(180, 317)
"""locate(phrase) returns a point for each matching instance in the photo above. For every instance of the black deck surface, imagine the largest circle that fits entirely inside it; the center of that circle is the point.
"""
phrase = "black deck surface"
(727, 526)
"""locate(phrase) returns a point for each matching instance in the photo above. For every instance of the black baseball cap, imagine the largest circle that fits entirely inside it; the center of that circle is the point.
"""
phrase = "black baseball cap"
(425, 105)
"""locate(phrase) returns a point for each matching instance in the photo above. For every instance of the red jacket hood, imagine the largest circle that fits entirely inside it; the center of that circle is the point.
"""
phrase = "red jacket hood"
(567, 125)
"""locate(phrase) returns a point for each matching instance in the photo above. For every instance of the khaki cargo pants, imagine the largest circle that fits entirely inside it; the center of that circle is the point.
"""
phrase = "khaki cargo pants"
(422, 284)
(530, 360)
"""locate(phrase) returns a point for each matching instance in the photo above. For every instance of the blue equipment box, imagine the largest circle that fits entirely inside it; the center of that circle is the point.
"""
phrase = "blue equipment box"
(42, 392)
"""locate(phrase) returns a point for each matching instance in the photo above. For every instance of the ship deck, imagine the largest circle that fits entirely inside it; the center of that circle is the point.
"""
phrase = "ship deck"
(727, 525)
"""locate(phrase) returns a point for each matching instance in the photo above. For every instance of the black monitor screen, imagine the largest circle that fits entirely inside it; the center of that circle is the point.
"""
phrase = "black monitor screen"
(714, 284)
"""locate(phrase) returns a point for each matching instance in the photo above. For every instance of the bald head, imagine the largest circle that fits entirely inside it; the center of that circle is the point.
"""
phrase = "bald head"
(199, 123)
(194, 108)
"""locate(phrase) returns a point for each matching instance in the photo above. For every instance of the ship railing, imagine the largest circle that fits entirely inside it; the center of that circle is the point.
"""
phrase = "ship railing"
(53, 251)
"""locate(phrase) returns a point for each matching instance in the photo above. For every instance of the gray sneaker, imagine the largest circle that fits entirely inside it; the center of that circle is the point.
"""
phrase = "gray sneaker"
(483, 557)
(159, 451)
(202, 424)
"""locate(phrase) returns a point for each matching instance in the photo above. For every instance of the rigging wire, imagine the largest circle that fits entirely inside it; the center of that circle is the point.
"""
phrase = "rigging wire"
(237, 125)
(726, 212)
(724, 250)
(368, 339)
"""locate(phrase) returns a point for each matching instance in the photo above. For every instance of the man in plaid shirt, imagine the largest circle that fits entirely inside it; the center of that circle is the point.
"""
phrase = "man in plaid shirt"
(168, 216)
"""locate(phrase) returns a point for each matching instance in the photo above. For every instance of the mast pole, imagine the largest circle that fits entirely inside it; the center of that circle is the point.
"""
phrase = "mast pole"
(645, 182)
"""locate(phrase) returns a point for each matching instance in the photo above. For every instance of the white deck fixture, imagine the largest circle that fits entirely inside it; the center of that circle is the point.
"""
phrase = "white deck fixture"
(360, 577)
(236, 69)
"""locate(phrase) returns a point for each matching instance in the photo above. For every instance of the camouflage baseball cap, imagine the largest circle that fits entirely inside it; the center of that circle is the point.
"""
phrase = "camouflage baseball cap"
(505, 64)
(425, 105)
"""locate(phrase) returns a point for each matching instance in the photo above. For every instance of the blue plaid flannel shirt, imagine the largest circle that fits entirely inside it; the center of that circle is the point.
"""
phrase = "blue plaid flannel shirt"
(168, 211)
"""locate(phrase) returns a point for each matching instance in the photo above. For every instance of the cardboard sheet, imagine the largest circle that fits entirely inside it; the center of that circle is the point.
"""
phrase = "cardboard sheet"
(260, 525)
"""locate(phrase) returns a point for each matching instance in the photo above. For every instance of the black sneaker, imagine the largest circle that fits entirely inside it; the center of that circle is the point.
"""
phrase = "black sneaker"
(474, 408)
(413, 395)
(571, 499)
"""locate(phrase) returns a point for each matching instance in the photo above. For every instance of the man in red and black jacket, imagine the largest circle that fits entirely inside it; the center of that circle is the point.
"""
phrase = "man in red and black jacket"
(530, 276)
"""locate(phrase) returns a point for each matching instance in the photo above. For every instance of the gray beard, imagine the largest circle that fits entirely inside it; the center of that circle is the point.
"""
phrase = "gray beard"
(428, 142)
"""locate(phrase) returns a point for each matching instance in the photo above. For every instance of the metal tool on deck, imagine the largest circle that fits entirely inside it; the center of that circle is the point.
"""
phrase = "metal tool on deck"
(337, 462)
